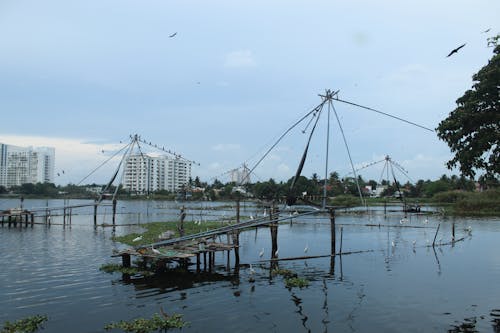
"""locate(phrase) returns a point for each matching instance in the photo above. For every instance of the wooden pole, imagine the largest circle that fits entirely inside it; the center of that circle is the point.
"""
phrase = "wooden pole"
(126, 260)
(236, 243)
(198, 262)
(205, 261)
(32, 219)
(332, 230)
(453, 232)
(95, 214)
(64, 216)
(437, 230)
(341, 236)
(274, 215)
(114, 211)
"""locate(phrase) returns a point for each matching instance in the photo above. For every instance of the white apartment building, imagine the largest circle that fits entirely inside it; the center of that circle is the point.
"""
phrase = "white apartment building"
(241, 176)
(20, 165)
(145, 173)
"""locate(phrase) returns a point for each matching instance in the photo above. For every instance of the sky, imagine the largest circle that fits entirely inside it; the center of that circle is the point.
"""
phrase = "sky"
(82, 76)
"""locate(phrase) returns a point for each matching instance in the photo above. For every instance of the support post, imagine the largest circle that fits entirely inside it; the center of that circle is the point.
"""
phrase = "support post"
(236, 244)
(274, 214)
(64, 216)
(95, 214)
(198, 262)
(114, 211)
(32, 219)
(453, 232)
(332, 230)
(126, 260)
(437, 230)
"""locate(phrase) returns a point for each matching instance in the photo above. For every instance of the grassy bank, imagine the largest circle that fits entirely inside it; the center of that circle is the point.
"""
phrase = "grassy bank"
(485, 203)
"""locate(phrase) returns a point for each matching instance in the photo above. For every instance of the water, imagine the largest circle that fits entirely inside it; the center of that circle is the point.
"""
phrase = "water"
(394, 286)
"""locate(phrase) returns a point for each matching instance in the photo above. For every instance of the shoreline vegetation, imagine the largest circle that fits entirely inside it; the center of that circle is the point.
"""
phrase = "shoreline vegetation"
(453, 202)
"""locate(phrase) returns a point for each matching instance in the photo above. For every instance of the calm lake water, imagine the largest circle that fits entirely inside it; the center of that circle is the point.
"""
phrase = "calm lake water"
(395, 286)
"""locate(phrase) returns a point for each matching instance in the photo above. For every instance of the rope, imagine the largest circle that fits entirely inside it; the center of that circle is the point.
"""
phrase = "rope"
(92, 172)
(385, 114)
(349, 154)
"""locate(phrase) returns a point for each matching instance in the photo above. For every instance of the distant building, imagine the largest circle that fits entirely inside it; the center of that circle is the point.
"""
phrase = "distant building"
(241, 176)
(145, 173)
(20, 165)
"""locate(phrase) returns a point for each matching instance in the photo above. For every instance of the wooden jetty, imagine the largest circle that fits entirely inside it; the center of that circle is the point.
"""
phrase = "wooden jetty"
(17, 216)
(183, 249)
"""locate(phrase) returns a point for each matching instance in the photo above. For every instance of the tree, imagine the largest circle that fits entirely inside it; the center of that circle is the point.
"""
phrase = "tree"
(472, 130)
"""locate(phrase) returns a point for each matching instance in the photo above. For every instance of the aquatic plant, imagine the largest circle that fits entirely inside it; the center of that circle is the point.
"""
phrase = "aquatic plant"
(24, 325)
(111, 268)
(143, 325)
(296, 282)
(286, 273)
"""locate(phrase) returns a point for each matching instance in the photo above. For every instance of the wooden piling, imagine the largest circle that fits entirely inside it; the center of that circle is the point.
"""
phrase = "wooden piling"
(274, 215)
(197, 262)
(114, 211)
(126, 260)
(332, 230)
(437, 230)
(32, 219)
(453, 232)
(95, 215)
(64, 216)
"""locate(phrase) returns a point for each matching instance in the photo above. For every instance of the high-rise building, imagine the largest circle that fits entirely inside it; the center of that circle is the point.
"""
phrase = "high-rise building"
(20, 165)
(241, 176)
(145, 173)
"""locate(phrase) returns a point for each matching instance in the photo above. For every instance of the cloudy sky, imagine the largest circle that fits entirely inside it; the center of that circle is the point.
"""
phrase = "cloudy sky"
(81, 76)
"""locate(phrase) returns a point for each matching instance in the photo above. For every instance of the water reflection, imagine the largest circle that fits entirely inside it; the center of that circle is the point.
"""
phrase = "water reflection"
(379, 287)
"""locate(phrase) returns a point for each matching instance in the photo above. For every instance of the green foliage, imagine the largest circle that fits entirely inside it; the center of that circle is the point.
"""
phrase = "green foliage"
(296, 282)
(25, 325)
(449, 196)
(345, 201)
(472, 130)
(155, 323)
(479, 203)
(111, 268)
(286, 273)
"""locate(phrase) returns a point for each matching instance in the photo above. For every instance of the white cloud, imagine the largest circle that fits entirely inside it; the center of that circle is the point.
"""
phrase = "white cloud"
(241, 58)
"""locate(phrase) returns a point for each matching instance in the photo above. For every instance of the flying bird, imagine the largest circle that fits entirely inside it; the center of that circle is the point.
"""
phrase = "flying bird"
(487, 30)
(455, 50)
(172, 35)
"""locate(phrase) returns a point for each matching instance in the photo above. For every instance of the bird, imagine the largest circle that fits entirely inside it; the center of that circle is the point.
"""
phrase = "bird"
(393, 244)
(277, 252)
(58, 174)
(63, 172)
(261, 253)
(155, 251)
(414, 243)
(137, 239)
(251, 217)
(426, 221)
(487, 30)
(455, 50)
(172, 35)
(252, 271)
(102, 151)
(306, 248)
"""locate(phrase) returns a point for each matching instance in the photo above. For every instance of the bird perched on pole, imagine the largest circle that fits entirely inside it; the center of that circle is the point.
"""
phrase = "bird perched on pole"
(455, 50)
